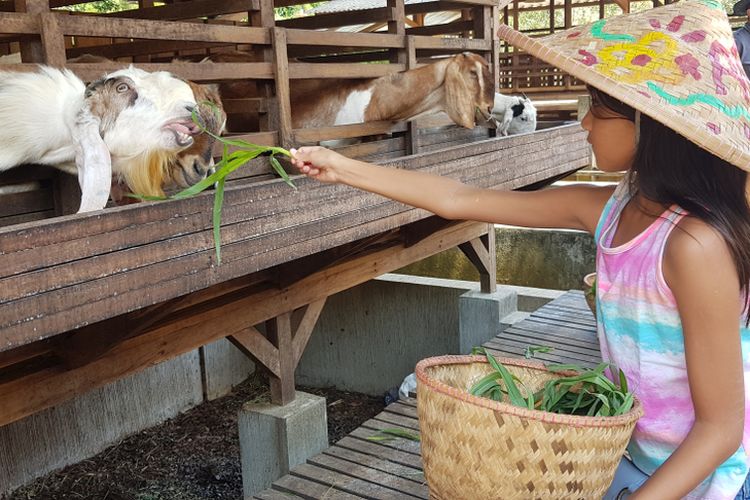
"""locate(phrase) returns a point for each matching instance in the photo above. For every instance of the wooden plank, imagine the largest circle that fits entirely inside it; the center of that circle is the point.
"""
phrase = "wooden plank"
(81, 269)
(293, 485)
(376, 449)
(347, 483)
(365, 471)
(332, 70)
(382, 464)
(19, 23)
(373, 427)
(428, 42)
(530, 331)
(400, 420)
(347, 131)
(342, 39)
(275, 495)
(402, 409)
(160, 30)
(337, 19)
(305, 328)
(190, 71)
(508, 341)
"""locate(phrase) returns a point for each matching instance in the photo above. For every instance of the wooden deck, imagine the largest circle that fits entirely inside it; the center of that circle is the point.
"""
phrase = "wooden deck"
(356, 467)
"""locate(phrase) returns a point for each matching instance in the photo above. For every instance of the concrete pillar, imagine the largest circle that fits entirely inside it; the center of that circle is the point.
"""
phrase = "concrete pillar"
(480, 315)
(274, 439)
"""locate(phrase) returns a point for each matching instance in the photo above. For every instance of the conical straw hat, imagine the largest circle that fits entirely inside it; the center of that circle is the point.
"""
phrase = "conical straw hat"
(677, 64)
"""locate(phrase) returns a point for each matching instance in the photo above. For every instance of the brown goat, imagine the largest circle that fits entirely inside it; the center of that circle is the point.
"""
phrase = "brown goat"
(460, 85)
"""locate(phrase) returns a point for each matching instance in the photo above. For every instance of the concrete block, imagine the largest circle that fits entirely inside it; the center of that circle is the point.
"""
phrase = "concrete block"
(274, 439)
(480, 314)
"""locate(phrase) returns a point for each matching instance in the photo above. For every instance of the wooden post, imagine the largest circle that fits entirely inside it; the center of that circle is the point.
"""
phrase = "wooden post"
(264, 18)
(412, 128)
(279, 333)
(584, 104)
(551, 16)
(281, 70)
(31, 51)
(482, 254)
(53, 43)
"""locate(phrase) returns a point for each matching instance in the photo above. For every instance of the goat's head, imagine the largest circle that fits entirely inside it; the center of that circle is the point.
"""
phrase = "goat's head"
(145, 120)
(524, 117)
(195, 162)
(468, 89)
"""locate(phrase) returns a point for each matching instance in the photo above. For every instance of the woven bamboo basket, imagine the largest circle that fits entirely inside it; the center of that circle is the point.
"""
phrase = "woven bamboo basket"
(475, 447)
(588, 282)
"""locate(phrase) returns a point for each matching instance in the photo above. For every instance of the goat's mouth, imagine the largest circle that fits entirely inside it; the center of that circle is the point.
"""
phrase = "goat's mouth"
(183, 131)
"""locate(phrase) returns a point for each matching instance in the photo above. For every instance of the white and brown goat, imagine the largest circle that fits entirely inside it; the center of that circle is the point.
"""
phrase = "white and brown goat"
(460, 85)
(188, 166)
(123, 124)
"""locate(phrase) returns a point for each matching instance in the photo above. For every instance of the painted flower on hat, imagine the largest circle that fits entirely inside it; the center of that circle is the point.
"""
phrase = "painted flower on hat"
(653, 57)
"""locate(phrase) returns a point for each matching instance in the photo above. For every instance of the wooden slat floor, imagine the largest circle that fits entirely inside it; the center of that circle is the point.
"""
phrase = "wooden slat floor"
(356, 467)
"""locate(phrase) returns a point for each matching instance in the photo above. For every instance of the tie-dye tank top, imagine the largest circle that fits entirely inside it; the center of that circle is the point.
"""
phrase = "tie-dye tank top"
(640, 332)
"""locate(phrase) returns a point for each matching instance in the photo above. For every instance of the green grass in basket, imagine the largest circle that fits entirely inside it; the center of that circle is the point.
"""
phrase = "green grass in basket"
(230, 162)
(588, 392)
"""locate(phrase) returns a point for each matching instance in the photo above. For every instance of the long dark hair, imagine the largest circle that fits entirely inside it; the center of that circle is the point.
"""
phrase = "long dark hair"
(670, 169)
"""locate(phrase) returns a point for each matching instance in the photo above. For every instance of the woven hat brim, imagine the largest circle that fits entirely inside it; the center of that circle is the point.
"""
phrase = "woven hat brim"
(663, 114)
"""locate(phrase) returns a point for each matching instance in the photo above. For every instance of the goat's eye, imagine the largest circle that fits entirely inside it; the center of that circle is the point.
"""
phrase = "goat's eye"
(122, 87)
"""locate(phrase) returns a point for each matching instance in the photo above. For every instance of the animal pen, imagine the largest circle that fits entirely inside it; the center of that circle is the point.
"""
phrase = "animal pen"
(87, 299)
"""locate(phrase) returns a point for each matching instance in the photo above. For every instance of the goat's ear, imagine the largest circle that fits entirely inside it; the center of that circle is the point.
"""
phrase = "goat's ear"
(93, 162)
(458, 96)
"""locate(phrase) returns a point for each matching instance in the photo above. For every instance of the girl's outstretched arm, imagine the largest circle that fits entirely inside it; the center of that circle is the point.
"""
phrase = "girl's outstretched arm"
(574, 207)
(701, 274)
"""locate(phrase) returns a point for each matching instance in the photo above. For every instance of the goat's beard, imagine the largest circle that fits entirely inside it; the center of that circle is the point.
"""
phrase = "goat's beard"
(146, 173)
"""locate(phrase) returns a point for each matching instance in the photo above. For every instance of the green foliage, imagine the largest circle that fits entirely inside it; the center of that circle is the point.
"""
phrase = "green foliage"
(587, 392)
(244, 152)
(101, 6)
(293, 10)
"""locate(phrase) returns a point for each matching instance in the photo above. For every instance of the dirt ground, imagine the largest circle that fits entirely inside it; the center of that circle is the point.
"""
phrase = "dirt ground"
(194, 456)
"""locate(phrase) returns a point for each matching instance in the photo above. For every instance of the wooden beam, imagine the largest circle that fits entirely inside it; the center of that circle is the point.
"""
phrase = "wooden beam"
(304, 330)
(254, 345)
(338, 19)
(332, 70)
(34, 392)
(347, 131)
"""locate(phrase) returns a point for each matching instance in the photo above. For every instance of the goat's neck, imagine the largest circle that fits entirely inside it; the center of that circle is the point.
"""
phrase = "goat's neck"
(404, 96)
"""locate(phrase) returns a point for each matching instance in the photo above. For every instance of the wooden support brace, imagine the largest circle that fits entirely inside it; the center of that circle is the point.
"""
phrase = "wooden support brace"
(280, 350)
(481, 252)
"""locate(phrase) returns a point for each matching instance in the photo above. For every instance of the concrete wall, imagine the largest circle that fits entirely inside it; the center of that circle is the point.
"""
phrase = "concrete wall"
(86, 425)
(540, 258)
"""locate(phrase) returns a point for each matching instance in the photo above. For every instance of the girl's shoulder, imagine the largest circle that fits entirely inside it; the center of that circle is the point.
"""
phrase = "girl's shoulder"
(695, 246)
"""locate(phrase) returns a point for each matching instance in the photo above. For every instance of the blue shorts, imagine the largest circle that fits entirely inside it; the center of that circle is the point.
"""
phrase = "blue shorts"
(629, 478)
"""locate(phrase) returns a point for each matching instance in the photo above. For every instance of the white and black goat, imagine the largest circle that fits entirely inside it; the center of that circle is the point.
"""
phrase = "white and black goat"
(126, 124)
(513, 114)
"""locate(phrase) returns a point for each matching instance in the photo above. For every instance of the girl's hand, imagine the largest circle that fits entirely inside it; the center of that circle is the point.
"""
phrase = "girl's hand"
(319, 163)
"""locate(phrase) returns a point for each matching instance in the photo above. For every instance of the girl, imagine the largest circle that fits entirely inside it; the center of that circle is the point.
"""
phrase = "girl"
(669, 106)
